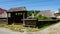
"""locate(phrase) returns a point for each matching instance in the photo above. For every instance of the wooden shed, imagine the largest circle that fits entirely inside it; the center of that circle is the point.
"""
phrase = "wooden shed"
(16, 14)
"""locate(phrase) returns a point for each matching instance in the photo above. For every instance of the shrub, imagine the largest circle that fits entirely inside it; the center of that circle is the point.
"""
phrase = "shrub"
(43, 18)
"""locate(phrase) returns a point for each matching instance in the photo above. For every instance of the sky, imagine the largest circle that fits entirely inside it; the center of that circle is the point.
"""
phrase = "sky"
(53, 5)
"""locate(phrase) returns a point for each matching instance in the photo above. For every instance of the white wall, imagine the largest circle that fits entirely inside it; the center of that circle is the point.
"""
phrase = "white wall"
(3, 15)
(58, 16)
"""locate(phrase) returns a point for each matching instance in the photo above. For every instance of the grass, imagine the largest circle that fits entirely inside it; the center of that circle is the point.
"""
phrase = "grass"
(21, 28)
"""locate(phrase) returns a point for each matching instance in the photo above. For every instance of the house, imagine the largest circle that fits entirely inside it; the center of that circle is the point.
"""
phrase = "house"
(15, 15)
(47, 13)
(57, 15)
(3, 13)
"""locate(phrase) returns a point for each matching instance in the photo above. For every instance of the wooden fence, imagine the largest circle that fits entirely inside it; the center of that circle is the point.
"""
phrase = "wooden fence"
(3, 20)
(42, 23)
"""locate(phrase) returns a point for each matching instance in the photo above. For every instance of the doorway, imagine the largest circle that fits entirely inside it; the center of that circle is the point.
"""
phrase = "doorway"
(16, 17)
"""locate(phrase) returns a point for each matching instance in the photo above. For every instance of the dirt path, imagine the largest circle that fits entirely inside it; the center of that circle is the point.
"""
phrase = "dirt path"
(7, 31)
(55, 29)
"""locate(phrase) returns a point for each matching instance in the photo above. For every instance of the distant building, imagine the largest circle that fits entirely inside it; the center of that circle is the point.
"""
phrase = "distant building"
(3, 13)
(57, 15)
(47, 13)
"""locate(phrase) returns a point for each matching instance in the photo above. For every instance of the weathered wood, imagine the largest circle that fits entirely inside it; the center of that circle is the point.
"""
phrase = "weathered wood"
(42, 23)
(16, 18)
(30, 22)
(23, 18)
(3, 18)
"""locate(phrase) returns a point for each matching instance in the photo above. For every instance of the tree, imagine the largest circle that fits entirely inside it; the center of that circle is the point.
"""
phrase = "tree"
(59, 10)
(29, 13)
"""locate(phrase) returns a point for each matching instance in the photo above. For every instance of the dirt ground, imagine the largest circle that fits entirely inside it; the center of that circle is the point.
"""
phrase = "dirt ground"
(55, 29)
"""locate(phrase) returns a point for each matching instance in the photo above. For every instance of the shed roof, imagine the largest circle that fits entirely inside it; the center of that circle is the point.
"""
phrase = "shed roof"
(17, 9)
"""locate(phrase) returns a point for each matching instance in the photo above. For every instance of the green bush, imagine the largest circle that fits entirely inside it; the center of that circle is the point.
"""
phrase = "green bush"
(39, 17)
(43, 18)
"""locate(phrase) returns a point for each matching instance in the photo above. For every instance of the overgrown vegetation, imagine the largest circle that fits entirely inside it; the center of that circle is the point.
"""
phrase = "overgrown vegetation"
(29, 13)
(39, 17)
(19, 28)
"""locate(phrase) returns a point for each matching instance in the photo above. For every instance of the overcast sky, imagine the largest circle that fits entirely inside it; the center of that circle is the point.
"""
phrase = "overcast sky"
(53, 5)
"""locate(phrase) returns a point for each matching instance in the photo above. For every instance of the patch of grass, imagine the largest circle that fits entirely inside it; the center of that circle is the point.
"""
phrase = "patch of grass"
(19, 28)
(3, 25)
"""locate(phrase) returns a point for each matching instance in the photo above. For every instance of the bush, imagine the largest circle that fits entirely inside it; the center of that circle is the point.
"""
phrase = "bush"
(43, 18)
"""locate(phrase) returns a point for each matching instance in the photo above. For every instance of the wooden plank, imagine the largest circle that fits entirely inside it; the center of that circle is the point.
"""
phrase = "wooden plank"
(3, 18)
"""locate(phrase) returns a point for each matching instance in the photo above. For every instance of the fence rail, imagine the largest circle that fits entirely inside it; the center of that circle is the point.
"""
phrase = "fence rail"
(3, 20)
(41, 23)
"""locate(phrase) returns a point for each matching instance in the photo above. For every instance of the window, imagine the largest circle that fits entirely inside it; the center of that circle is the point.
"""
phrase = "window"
(19, 13)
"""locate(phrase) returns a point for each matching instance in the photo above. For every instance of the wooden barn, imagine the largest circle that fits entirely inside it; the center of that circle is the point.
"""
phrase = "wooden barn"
(15, 15)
